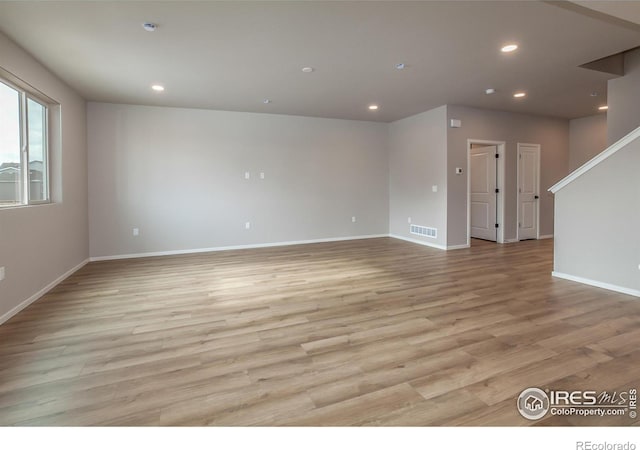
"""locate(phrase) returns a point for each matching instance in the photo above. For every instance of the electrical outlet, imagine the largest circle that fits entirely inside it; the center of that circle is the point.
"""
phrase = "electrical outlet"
(434, 188)
(408, 219)
(136, 231)
(353, 219)
(1, 273)
(262, 175)
(247, 175)
(247, 225)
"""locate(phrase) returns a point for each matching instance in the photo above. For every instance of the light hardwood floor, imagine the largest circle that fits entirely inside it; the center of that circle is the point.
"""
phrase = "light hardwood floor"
(369, 332)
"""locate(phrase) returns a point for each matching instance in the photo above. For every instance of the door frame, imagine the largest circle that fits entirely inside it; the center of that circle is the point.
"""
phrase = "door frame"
(537, 147)
(501, 186)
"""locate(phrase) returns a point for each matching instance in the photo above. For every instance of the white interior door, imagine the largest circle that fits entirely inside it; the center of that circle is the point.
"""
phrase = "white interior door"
(482, 192)
(528, 190)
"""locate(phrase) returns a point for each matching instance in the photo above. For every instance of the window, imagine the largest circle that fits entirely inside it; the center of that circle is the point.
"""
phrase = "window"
(24, 149)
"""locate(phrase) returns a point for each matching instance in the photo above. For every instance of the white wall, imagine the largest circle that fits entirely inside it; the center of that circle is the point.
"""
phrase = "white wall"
(597, 222)
(623, 98)
(587, 138)
(417, 161)
(178, 175)
(553, 136)
(39, 244)
(598, 214)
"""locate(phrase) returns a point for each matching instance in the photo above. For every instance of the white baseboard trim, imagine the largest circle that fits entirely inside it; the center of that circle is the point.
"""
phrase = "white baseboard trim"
(415, 241)
(16, 309)
(546, 236)
(456, 247)
(233, 247)
(510, 241)
(600, 284)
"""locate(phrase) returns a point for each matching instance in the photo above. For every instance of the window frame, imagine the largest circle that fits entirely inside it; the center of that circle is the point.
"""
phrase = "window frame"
(45, 151)
(25, 174)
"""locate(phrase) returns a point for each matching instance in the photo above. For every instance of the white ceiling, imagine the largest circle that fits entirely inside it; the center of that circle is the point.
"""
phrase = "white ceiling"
(628, 10)
(232, 55)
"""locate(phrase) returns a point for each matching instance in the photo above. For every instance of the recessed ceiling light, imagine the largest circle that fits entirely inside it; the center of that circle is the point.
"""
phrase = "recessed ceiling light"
(266, 101)
(509, 48)
(603, 108)
(157, 87)
(149, 26)
(520, 94)
(400, 66)
(373, 107)
(490, 91)
(307, 69)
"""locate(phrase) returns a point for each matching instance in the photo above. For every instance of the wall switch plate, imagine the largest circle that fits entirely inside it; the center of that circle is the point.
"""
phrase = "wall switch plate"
(262, 175)
(408, 219)
(247, 175)
(1, 273)
(353, 219)
(434, 188)
(458, 170)
(247, 225)
(136, 231)
(456, 123)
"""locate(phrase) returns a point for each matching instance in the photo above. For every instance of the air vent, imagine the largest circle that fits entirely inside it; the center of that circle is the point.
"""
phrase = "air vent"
(424, 231)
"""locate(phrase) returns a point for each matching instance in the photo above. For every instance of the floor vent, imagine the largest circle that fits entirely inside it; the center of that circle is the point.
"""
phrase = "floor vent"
(424, 231)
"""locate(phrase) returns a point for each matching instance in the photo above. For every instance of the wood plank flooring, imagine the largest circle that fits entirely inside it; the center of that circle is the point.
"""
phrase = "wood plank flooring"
(369, 332)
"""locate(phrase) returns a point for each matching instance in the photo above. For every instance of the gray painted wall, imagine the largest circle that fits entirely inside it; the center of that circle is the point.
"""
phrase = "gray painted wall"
(178, 175)
(623, 98)
(39, 244)
(597, 222)
(587, 138)
(553, 136)
(417, 161)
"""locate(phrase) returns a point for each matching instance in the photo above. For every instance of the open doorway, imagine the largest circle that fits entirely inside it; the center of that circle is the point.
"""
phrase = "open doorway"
(485, 190)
